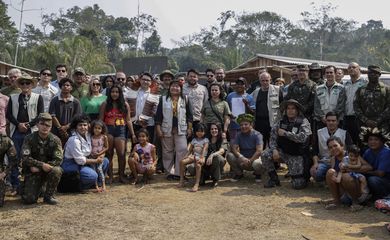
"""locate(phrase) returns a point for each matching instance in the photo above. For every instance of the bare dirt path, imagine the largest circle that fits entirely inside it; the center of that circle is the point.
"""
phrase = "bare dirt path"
(242, 210)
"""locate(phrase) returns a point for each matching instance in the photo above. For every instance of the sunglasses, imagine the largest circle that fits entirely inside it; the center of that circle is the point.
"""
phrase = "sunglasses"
(25, 83)
(95, 84)
(121, 79)
(46, 74)
(61, 70)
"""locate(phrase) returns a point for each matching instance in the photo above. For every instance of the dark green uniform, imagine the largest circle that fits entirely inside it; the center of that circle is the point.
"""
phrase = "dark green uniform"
(36, 152)
(7, 148)
(304, 94)
(373, 103)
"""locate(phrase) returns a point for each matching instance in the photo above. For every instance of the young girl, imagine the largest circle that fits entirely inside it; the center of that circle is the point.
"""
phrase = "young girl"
(99, 142)
(353, 162)
(143, 157)
(196, 154)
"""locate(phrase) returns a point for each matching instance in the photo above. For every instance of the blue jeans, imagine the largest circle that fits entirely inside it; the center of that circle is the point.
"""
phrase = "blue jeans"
(88, 175)
(18, 139)
(379, 186)
(321, 172)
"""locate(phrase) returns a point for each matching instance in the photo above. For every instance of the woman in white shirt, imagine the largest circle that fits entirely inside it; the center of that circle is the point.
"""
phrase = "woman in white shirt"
(77, 153)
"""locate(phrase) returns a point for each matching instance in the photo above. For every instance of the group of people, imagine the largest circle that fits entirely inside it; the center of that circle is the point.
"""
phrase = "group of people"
(63, 133)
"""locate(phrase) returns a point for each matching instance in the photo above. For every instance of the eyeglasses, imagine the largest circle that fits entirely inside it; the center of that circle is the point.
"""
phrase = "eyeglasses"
(121, 79)
(46, 74)
(61, 70)
(95, 84)
(25, 83)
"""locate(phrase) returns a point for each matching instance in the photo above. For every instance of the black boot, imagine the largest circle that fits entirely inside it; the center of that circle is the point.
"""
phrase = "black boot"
(273, 180)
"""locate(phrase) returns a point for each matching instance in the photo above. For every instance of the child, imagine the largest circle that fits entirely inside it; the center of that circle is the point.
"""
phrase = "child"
(99, 148)
(355, 164)
(143, 157)
(196, 154)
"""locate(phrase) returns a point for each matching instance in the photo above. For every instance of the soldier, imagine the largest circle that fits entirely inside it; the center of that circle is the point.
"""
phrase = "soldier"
(7, 148)
(41, 159)
(289, 138)
(303, 90)
(372, 102)
(315, 73)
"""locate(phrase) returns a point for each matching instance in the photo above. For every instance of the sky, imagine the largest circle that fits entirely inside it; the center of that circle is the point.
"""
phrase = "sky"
(178, 18)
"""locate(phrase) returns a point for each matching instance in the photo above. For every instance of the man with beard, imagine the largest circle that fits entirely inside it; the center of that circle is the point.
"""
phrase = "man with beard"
(315, 73)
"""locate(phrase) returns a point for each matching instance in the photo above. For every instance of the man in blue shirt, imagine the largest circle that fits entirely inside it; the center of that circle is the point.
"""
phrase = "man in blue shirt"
(378, 156)
(246, 149)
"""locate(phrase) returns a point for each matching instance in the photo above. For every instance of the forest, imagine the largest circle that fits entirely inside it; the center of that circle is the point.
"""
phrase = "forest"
(99, 42)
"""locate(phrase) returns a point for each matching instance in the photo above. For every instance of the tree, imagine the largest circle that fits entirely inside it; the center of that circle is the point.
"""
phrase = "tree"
(152, 44)
(8, 34)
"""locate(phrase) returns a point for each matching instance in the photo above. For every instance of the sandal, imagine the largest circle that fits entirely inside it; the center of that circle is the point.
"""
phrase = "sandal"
(331, 206)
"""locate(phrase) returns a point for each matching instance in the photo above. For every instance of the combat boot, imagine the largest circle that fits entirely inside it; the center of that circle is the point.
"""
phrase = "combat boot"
(50, 200)
(273, 180)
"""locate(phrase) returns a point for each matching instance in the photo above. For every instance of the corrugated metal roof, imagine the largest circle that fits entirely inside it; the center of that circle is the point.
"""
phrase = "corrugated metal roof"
(295, 61)
(21, 68)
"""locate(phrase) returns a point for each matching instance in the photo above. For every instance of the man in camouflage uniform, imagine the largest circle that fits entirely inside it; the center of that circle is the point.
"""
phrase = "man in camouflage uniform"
(288, 142)
(372, 102)
(303, 90)
(41, 160)
(7, 148)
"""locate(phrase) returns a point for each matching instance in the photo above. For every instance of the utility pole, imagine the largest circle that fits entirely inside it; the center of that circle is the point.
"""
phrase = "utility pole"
(19, 31)
(138, 32)
(21, 10)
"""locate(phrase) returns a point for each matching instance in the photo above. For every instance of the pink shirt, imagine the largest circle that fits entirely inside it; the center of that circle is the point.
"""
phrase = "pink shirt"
(3, 110)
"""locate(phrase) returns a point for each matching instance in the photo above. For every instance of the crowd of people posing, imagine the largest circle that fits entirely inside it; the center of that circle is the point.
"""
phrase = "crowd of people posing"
(62, 134)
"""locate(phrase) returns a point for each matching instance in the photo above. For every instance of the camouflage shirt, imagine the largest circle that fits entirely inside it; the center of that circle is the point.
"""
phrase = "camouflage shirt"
(373, 103)
(7, 148)
(304, 94)
(36, 151)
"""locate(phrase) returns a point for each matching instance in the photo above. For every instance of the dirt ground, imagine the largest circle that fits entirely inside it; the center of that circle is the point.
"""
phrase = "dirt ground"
(242, 210)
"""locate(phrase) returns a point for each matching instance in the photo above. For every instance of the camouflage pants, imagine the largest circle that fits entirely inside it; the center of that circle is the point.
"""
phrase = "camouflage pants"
(33, 183)
(295, 166)
(2, 191)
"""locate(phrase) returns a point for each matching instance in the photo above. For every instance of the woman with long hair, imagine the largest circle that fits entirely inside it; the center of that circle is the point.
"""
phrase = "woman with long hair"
(90, 104)
(173, 124)
(115, 113)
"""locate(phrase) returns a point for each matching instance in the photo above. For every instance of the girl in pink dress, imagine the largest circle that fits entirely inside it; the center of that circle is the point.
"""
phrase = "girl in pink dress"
(99, 148)
(142, 159)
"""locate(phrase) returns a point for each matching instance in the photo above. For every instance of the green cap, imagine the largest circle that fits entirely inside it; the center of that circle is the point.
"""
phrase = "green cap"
(45, 117)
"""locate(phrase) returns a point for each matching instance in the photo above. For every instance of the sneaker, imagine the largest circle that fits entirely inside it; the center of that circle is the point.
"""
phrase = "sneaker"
(50, 200)
(258, 178)
(236, 178)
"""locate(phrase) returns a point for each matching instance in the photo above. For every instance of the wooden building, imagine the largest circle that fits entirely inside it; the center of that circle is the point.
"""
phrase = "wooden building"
(277, 66)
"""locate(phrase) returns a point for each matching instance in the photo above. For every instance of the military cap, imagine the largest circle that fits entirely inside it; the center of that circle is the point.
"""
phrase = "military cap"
(315, 66)
(245, 117)
(302, 67)
(79, 70)
(292, 102)
(166, 72)
(28, 77)
(241, 80)
(45, 117)
(374, 68)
